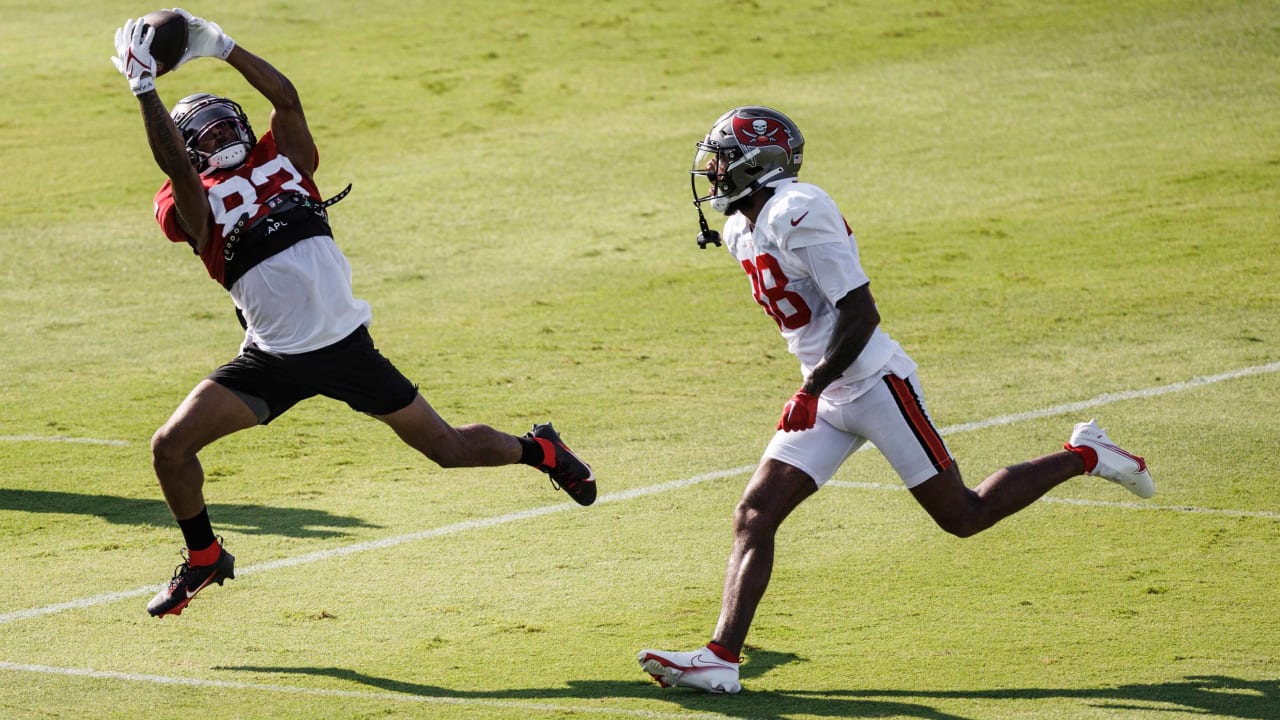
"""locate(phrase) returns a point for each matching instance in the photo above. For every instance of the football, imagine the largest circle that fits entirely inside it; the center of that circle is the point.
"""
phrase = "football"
(170, 39)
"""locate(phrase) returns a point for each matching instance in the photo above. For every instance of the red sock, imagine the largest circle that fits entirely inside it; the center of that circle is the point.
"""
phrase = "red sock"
(207, 556)
(1086, 453)
(723, 653)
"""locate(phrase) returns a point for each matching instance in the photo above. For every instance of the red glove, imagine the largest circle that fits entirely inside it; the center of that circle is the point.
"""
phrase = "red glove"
(800, 412)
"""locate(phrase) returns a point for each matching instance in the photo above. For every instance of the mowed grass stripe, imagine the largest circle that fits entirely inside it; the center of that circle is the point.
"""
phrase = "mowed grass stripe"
(388, 542)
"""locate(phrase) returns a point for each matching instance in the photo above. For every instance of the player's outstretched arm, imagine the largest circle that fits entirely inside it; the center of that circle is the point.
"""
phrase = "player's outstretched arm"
(171, 155)
(288, 122)
(134, 60)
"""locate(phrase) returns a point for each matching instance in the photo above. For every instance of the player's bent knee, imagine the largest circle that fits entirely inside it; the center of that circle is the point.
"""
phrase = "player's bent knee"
(959, 529)
(164, 449)
(170, 448)
(962, 526)
(749, 518)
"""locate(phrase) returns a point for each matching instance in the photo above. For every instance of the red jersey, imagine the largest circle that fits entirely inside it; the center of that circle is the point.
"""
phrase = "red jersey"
(236, 197)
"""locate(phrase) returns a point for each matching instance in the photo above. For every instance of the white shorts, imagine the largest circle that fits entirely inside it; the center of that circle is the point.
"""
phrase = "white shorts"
(891, 415)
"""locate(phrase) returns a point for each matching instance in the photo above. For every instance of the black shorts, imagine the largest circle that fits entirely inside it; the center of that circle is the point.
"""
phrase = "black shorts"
(351, 370)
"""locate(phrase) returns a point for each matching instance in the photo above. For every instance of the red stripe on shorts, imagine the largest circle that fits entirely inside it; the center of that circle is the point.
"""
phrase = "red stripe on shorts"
(919, 422)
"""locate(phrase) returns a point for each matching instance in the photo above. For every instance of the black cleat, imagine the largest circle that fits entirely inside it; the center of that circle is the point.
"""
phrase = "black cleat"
(566, 469)
(189, 580)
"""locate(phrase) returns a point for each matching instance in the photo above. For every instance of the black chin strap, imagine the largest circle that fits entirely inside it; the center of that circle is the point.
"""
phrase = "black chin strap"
(707, 236)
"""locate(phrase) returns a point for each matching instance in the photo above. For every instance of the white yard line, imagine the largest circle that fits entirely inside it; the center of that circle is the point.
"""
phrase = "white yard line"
(1109, 398)
(624, 495)
(1104, 399)
(379, 544)
(61, 439)
(539, 707)
(621, 496)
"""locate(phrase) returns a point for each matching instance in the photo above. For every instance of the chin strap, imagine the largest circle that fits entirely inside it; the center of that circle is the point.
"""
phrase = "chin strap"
(707, 236)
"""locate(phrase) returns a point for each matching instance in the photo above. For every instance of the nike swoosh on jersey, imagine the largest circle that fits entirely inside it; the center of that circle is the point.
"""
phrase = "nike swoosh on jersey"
(799, 219)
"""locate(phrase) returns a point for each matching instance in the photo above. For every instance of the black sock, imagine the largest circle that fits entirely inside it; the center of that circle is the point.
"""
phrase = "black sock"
(530, 452)
(198, 531)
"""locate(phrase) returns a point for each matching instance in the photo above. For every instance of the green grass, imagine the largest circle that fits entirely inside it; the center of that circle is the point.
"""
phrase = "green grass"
(1053, 200)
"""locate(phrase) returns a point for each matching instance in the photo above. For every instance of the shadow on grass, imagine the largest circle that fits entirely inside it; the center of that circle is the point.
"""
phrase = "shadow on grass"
(1206, 695)
(247, 519)
(1218, 696)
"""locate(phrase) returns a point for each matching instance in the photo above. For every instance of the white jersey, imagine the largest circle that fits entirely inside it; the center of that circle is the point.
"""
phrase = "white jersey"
(802, 259)
(300, 299)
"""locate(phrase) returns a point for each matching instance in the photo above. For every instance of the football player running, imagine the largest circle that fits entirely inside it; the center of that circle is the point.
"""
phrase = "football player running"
(250, 209)
(858, 384)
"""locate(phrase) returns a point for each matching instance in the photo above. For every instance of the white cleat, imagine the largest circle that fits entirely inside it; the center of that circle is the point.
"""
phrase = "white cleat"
(700, 669)
(1114, 463)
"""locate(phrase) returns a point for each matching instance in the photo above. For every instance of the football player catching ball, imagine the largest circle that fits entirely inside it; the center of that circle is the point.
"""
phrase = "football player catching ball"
(250, 209)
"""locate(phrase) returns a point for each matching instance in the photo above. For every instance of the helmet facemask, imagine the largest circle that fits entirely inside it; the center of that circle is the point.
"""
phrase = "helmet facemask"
(216, 131)
(221, 149)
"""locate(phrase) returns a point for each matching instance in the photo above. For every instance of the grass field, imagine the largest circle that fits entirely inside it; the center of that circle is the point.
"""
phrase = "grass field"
(1067, 209)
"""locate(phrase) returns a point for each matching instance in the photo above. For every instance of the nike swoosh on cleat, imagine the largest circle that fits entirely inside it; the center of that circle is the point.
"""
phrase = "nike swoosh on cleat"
(203, 585)
(695, 663)
(797, 220)
(1142, 463)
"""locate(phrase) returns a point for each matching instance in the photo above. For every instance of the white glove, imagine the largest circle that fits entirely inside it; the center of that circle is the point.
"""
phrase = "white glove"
(133, 56)
(204, 39)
